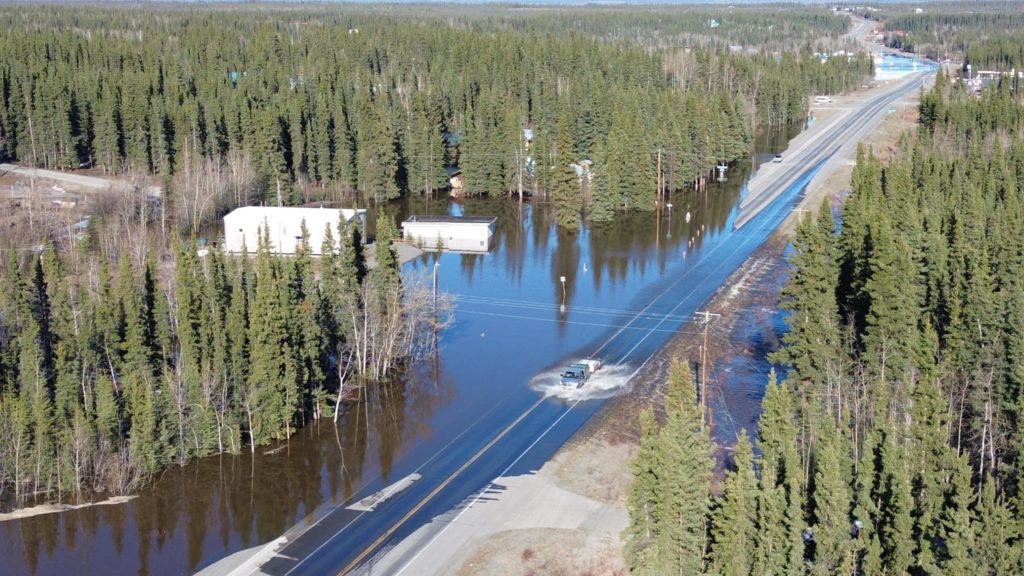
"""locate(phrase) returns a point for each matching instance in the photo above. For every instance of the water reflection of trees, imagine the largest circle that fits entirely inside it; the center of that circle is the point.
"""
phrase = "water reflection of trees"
(565, 263)
(244, 499)
(248, 499)
(636, 241)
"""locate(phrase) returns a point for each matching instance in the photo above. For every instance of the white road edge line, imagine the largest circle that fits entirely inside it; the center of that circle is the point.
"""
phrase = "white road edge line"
(486, 488)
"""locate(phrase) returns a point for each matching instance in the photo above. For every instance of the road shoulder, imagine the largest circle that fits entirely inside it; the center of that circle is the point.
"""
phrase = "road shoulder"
(594, 465)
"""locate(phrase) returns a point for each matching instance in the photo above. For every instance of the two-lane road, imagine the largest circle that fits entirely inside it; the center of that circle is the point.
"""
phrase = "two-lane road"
(519, 432)
(516, 437)
(842, 130)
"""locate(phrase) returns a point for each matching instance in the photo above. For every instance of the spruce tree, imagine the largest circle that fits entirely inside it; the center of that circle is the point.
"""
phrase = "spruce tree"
(958, 530)
(565, 185)
(66, 343)
(35, 405)
(602, 204)
(264, 399)
(140, 380)
(831, 506)
(780, 547)
(868, 490)
(351, 261)
(812, 343)
(997, 537)
(896, 533)
(684, 457)
(641, 554)
(388, 272)
(734, 523)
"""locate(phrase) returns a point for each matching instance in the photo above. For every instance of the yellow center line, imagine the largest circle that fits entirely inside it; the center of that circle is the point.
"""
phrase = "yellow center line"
(394, 527)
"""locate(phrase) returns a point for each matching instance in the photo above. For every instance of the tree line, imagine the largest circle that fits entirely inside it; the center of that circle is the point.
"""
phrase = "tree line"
(123, 351)
(774, 29)
(113, 372)
(985, 33)
(894, 445)
(272, 105)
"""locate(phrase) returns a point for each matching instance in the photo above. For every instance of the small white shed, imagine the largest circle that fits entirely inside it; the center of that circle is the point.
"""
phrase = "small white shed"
(455, 233)
(242, 226)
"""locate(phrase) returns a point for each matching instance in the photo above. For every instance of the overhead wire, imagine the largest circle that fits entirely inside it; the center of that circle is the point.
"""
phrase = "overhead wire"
(533, 305)
(576, 322)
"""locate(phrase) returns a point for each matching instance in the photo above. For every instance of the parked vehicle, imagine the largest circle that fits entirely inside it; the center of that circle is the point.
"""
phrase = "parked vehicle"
(578, 373)
(777, 159)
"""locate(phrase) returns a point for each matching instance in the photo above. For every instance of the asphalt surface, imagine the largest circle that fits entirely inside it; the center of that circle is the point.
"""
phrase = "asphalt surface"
(519, 433)
(516, 437)
(775, 178)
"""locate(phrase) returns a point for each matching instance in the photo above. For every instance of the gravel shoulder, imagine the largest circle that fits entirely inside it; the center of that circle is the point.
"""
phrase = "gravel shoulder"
(594, 465)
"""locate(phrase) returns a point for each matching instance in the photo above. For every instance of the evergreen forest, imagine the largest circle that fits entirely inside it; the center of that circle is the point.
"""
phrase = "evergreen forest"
(895, 443)
(127, 346)
(109, 373)
(291, 105)
(986, 34)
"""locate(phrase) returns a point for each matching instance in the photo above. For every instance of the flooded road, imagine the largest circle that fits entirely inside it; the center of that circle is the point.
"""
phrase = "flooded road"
(514, 320)
(892, 66)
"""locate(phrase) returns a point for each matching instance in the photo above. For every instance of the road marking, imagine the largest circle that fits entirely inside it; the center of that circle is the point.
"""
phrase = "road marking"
(629, 325)
(851, 125)
(423, 502)
(481, 493)
(355, 563)
(370, 502)
(296, 537)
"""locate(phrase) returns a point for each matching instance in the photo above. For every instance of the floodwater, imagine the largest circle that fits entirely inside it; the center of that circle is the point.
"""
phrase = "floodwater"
(895, 66)
(513, 317)
(742, 368)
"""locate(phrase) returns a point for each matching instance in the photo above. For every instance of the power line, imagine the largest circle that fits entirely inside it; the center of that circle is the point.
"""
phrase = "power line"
(703, 367)
(595, 324)
(529, 305)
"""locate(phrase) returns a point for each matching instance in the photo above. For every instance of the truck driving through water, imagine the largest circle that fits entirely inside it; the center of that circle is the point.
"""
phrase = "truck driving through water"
(578, 373)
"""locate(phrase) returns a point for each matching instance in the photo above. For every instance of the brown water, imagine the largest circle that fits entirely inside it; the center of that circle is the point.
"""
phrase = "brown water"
(191, 516)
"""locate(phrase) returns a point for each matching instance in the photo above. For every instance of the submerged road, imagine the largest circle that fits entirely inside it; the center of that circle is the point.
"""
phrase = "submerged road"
(513, 438)
(811, 149)
(519, 431)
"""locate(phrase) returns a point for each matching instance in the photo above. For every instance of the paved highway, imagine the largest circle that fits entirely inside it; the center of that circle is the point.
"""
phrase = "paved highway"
(812, 148)
(520, 431)
(515, 437)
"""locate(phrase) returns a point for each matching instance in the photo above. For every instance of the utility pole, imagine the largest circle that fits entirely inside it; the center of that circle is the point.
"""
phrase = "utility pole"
(519, 173)
(659, 176)
(437, 265)
(706, 321)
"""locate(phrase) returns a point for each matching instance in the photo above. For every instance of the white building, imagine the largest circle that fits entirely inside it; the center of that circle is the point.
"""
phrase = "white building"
(242, 226)
(455, 233)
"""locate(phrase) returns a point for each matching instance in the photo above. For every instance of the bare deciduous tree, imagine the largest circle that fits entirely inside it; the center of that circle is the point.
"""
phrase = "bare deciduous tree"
(394, 327)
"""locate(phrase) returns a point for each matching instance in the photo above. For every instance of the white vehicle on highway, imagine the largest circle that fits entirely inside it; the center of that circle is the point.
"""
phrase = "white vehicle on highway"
(577, 374)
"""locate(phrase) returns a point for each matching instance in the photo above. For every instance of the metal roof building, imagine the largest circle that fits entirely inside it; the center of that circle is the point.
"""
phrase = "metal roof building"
(455, 233)
(242, 226)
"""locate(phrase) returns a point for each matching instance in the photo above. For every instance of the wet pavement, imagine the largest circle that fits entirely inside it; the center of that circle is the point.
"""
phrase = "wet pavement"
(629, 287)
